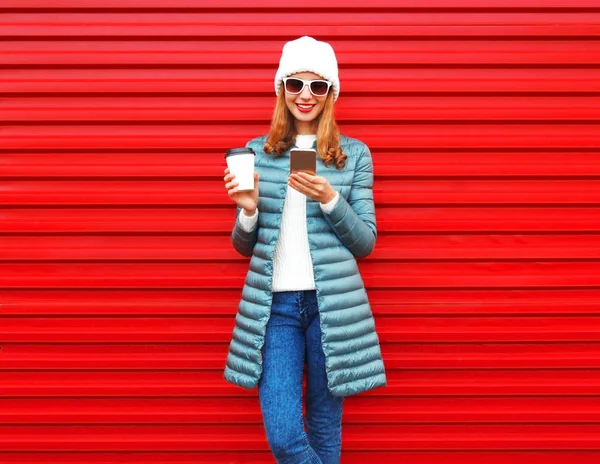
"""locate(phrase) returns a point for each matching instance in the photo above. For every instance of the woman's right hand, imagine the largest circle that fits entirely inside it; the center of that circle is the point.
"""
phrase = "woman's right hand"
(247, 200)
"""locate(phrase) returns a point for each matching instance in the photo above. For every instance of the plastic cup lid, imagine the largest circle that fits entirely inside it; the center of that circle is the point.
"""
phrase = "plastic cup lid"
(239, 151)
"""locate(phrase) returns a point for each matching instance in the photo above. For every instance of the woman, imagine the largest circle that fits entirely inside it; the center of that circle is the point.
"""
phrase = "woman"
(303, 299)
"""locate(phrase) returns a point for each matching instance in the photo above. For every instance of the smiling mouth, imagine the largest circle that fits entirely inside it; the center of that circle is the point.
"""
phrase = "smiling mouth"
(304, 108)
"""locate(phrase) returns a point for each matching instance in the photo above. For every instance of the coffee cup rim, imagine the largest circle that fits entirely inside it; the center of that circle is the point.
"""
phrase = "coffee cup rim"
(239, 151)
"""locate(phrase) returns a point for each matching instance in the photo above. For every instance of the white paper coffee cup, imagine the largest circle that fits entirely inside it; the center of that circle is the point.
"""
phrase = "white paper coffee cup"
(240, 162)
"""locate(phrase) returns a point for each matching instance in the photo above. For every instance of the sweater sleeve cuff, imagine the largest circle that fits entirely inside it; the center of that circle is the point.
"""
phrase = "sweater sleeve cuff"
(328, 207)
(248, 222)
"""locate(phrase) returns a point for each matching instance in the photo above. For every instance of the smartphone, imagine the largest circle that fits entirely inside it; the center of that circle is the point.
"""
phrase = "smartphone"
(303, 159)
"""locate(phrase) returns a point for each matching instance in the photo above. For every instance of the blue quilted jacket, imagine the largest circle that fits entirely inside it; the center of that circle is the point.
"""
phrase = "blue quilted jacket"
(350, 342)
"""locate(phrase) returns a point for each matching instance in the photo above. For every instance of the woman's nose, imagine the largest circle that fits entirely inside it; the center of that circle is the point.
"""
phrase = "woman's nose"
(305, 94)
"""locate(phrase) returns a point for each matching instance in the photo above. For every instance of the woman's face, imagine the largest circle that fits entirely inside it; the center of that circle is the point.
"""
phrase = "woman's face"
(305, 107)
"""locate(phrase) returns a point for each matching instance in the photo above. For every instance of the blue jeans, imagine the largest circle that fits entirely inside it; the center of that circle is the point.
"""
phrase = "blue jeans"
(293, 335)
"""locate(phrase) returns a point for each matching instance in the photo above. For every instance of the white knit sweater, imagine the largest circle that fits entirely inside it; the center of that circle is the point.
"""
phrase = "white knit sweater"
(292, 263)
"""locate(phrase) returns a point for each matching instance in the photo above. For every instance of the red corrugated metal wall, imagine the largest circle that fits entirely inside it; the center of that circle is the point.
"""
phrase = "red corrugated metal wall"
(119, 285)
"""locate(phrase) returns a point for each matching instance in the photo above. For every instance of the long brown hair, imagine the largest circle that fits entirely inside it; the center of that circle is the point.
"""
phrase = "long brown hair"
(283, 132)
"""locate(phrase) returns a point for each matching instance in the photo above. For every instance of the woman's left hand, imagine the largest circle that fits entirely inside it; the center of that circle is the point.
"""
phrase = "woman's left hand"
(316, 187)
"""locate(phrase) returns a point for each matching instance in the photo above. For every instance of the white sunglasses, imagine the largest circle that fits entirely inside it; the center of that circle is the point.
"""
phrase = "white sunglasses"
(294, 86)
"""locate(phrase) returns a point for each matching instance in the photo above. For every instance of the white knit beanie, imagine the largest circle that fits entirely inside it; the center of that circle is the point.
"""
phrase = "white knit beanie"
(308, 55)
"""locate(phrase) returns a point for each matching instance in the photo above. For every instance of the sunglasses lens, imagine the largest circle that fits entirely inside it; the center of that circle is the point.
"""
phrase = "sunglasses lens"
(319, 87)
(294, 85)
